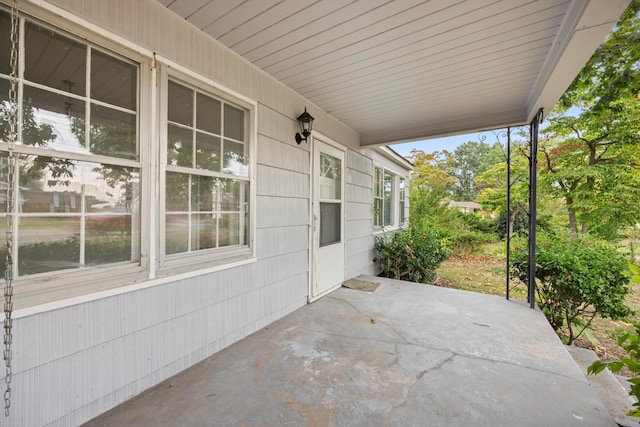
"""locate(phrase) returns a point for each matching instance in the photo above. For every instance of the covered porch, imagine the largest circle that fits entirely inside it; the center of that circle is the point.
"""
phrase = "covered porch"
(406, 354)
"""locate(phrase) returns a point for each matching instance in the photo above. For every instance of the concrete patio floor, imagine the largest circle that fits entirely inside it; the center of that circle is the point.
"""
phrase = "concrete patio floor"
(406, 355)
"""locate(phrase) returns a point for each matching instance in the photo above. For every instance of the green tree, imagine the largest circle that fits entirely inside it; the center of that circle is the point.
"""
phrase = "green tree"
(494, 186)
(470, 161)
(613, 71)
(590, 160)
(430, 183)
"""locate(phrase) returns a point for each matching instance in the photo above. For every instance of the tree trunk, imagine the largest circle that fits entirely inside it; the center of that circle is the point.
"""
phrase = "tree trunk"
(512, 219)
(573, 222)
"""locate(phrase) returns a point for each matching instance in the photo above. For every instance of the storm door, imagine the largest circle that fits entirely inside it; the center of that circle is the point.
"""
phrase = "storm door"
(327, 218)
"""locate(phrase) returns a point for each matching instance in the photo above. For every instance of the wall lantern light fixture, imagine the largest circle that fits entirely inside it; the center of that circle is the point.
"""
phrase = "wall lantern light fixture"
(306, 124)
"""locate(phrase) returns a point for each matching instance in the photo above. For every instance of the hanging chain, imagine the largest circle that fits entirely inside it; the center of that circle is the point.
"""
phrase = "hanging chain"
(12, 116)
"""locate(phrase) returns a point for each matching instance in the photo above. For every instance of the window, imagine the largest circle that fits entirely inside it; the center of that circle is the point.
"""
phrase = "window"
(388, 187)
(388, 199)
(402, 200)
(378, 198)
(85, 165)
(330, 199)
(77, 164)
(207, 172)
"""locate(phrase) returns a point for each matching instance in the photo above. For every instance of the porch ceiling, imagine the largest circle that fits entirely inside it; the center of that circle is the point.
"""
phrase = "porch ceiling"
(401, 70)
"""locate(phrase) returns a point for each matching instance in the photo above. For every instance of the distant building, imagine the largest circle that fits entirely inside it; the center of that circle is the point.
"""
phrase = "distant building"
(467, 207)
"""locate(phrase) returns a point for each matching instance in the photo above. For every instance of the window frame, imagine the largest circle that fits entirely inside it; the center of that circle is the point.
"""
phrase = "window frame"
(214, 256)
(402, 200)
(58, 284)
(396, 202)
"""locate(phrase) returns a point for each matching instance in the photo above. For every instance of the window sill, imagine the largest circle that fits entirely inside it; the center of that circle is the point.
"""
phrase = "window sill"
(198, 264)
(378, 231)
(38, 295)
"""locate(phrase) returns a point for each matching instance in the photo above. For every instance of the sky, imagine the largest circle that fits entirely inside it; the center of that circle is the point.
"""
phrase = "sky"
(448, 143)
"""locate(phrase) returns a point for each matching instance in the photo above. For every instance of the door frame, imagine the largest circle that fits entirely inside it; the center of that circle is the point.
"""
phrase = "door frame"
(316, 137)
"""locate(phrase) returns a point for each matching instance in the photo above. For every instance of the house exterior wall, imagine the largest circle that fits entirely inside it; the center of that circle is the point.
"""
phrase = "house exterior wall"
(359, 249)
(76, 358)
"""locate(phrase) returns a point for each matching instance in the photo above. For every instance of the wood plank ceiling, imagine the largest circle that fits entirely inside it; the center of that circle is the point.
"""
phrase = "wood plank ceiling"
(397, 70)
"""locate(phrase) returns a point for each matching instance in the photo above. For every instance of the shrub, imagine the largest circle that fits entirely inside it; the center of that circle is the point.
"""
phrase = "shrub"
(468, 242)
(577, 280)
(412, 254)
(476, 223)
(520, 224)
(630, 342)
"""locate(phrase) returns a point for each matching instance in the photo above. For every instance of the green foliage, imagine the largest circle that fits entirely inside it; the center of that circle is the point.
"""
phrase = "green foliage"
(468, 242)
(612, 72)
(474, 222)
(592, 162)
(520, 223)
(577, 279)
(630, 342)
(493, 181)
(471, 160)
(591, 159)
(412, 254)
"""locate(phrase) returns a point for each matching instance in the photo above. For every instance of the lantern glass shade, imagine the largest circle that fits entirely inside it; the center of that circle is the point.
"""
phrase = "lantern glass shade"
(306, 123)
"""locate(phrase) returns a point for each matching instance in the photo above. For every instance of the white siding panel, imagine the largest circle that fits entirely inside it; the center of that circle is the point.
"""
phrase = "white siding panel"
(278, 126)
(360, 161)
(360, 244)
(281, 240)
(361, 263)
(358, 228)
(359, 211)
(357, 194)
(359, 214)
(281, 155)
(281, 182)
(359, 178)
(102, 374)
(280, 211)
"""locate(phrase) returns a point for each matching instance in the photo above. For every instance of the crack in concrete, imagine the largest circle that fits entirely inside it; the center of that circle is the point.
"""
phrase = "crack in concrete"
(407, 341)
(419, 377)
(369, 316)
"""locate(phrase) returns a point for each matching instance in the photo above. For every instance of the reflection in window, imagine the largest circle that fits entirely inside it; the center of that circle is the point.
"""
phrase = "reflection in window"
(204, 213)
(70, 212)
(206, 208)
(402, 195)
(330, 177)
(388, 190)
(75, 214)
(384, 197)
(377, 198)
(56, 117)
